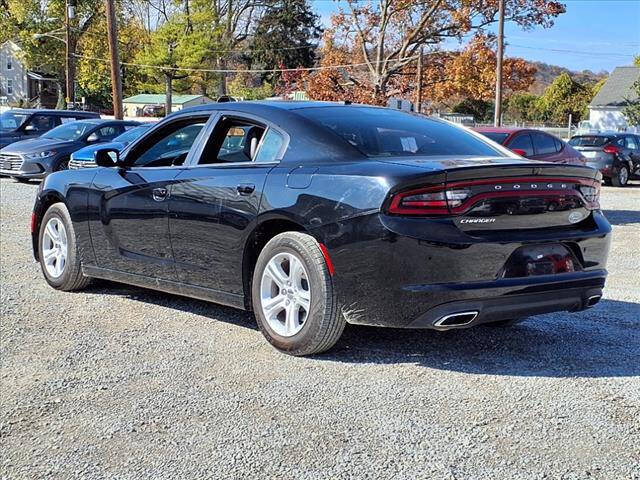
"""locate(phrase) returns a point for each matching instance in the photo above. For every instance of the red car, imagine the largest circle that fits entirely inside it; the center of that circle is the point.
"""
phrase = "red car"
(533, 144)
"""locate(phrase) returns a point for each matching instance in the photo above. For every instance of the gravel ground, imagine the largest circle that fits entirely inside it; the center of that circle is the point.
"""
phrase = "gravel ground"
(121, 382)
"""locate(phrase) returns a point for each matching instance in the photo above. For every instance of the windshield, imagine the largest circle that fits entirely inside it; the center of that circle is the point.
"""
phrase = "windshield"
(131, 134)
(589, 141)
(496, 136)
(69, 131)
(12, 120)
(381, 132)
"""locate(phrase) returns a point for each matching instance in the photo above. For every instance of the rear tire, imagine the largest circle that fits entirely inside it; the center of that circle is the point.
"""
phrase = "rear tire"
(621, 178)
(58, 250)
(293, 296)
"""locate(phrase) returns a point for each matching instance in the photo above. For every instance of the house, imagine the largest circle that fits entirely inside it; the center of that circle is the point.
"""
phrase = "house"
(135, 106)
(605, 110)
(21, 86)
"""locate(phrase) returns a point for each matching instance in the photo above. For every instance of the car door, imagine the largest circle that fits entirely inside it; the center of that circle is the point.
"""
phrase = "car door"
(633, 145)
(129, 206)
(215, 200)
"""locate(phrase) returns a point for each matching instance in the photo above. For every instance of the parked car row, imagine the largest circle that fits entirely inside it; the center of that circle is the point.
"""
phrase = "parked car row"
(615, 155)
(38, 142)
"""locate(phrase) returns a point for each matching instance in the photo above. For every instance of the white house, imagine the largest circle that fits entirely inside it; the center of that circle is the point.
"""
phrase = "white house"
(18, 85)
(605, 110)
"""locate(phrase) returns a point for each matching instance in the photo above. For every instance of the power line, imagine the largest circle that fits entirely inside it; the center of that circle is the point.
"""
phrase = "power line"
(577, 52)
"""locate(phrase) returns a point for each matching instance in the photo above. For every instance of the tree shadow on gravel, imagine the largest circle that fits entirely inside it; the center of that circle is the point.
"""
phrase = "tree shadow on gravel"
(622, 217)
(601, 342)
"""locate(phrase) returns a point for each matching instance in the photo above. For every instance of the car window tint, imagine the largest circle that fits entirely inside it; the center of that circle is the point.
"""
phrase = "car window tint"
(271, 146)
(522, 142)
(108, 132)
(544, 144)
(42, 123)
(632, 143)
(171, 148)
(496, 136)
(588, 141)
(382, 132)
(233, 140)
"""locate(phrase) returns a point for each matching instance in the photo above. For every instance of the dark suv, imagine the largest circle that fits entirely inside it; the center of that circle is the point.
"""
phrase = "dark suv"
(616, 155)
(21, 124)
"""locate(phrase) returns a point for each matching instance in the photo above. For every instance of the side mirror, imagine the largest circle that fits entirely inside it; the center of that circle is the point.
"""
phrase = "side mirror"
(92, 138)
(519, 151)
(29, 128)
(106, 157)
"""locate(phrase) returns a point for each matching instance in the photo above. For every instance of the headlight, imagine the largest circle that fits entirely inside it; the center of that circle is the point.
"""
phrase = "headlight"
(36, 156)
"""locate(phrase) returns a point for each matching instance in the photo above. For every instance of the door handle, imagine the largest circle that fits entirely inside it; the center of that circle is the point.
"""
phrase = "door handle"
(160, 194)
(245, 188)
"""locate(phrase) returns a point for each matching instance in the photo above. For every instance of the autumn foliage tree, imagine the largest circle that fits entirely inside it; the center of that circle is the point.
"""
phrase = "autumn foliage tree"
(386, 36)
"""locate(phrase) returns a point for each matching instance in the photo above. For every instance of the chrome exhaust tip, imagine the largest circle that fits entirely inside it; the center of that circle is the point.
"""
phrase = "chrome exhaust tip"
(455, 320)
(592, 300)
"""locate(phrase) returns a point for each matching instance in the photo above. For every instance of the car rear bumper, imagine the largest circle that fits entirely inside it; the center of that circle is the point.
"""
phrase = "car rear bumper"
(399, 281)
(503, 300)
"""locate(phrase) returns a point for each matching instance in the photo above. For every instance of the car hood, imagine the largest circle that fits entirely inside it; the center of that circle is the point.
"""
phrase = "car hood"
(86, 153)
(35, 145)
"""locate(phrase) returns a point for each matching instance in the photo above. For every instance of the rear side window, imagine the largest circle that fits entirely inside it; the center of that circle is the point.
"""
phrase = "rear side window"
(544, 144)
(271, 146)
(380, 132)
(523, 142)
(589, 141)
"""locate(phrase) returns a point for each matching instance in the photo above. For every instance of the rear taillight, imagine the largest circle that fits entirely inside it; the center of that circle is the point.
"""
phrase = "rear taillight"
(458, 198)
(428, 201)
(611, 149)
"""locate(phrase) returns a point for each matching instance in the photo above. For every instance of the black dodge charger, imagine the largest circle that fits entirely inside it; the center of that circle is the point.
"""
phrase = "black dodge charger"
(314, 215)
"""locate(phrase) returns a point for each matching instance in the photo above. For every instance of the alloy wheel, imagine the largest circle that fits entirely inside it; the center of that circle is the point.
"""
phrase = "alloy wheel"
(54, 247)
(623, 176)
(285, 294)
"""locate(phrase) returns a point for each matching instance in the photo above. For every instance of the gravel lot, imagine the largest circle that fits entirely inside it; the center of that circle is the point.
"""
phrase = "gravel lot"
(121, 382)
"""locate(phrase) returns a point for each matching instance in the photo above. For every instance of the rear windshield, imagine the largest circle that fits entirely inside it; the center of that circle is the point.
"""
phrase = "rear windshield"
(496, 136)
(381, 132)
(589, 141)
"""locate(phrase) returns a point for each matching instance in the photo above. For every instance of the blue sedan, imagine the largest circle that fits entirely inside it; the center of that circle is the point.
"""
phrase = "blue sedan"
(83, 158)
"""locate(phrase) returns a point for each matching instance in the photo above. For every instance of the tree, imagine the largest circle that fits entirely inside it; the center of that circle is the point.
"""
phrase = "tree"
(286, 37)
(562, 98)
(481, 110)
(632, 110)
(388, 34)
(521, 107)
(636, 61)
(47, 54)
(472, 72)
(242, 87)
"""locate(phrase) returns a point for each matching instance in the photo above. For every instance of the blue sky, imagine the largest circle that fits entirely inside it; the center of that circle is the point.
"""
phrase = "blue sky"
(593, 35)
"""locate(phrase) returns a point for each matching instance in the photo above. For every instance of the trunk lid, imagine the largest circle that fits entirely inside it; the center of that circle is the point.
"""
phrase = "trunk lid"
(506, 194)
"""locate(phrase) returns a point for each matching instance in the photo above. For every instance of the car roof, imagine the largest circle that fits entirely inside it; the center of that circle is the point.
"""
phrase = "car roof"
(55, 112)
(261, 105)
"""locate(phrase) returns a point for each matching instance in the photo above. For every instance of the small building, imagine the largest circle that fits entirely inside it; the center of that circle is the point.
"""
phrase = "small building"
(606, 108)
(20, 86)
(145, 104)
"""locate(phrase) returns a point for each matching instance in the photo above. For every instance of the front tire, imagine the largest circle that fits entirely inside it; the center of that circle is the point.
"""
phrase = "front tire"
(293, 296)
(58, 250)
(621, 178)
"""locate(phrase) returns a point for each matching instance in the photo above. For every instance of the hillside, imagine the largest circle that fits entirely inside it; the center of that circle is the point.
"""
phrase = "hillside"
(546, 73)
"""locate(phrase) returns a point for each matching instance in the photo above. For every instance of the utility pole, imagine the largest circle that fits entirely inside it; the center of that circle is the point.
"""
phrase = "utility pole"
(116, 79)
(497, 118)
(69, 14)
(419, 80)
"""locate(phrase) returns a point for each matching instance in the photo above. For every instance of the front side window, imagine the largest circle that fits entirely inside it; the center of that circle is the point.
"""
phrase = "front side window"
(632, 143)
(522, 142)
(544, 144)
(381, 132)
(42, 123)
(69, 132)
(170, 146)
